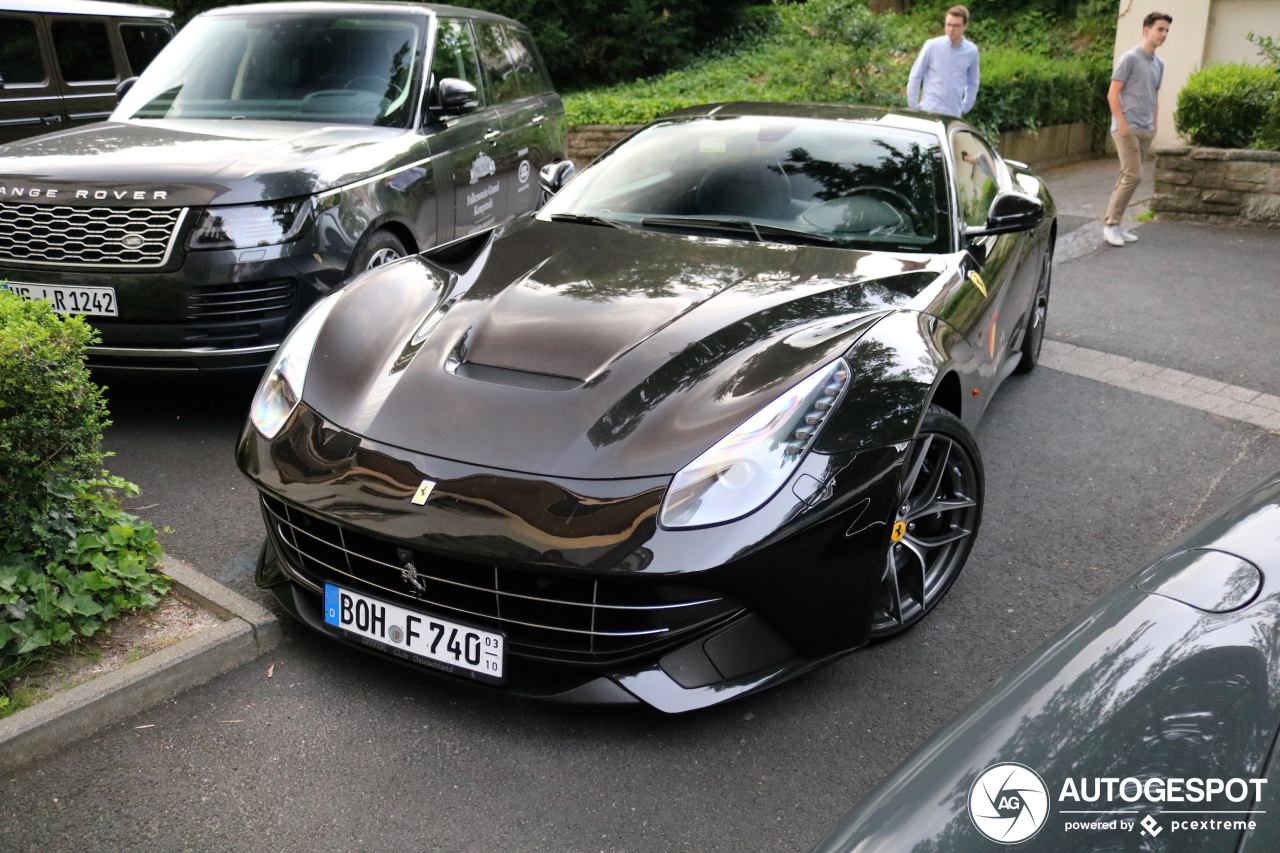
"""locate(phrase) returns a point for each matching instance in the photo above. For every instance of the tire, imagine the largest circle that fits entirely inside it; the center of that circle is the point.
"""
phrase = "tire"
(1034, 338)
(939, 501)
(377, 249)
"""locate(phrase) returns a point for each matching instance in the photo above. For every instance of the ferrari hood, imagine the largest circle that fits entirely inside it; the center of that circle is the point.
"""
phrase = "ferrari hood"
(194, 162)
(577, 351)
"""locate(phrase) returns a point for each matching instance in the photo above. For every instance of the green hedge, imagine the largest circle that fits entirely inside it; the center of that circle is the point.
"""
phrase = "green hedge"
(838, 51)
(70, 557)
(1230, 105)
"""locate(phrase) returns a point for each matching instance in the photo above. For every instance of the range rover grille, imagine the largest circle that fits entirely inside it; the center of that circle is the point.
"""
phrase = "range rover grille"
(544, 616)
(131, 237)
(243, 302)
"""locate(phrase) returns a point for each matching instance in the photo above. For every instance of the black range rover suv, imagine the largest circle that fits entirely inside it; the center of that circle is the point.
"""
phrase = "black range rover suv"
(266, 155)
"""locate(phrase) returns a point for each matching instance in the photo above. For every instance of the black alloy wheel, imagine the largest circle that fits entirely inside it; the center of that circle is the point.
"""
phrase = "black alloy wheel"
(939, 509)
(378, 249)
(1034, 338)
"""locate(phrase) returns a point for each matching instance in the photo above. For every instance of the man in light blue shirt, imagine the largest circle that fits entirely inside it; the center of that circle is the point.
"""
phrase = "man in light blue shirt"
(948, 69)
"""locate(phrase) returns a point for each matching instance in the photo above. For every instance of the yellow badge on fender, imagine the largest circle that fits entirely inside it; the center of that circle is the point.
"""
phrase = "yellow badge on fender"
(899, 530)
(424, 492)
(978, 283)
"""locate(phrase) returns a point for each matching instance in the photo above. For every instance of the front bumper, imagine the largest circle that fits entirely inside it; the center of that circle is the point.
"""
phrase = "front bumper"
(679, 619)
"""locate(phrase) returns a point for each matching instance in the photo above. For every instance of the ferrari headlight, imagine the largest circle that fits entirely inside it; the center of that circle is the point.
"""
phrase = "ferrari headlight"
(746, 468)
(244, 226)
(281, 388)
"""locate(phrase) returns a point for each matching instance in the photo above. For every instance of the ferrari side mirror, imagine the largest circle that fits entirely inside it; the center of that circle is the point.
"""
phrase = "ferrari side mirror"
(553, 176)
(1009, 213)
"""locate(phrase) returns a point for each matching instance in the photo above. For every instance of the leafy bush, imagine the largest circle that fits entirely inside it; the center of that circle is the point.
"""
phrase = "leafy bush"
(1225, 105)
(51, 415)
(70, 557)
(837, 51)
(1021, 91)
(1268, 136)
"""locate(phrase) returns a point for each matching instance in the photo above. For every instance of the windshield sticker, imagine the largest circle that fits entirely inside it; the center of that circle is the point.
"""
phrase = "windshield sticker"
(711, 144)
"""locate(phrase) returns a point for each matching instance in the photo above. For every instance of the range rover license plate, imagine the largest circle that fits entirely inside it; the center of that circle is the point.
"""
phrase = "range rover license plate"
(96, 301)
(416, 636)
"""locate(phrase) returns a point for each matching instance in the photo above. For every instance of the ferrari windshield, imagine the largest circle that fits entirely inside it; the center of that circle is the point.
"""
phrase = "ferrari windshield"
(343, 69)
(810, 181)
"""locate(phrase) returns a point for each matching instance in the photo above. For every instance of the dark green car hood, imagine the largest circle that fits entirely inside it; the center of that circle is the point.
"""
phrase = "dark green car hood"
(197, 162)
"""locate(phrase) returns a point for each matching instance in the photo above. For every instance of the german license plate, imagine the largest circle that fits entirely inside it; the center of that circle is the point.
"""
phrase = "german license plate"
(96, 301)
(416, 636)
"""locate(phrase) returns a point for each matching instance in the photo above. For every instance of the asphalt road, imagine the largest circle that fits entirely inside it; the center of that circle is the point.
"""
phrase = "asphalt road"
(341, 752)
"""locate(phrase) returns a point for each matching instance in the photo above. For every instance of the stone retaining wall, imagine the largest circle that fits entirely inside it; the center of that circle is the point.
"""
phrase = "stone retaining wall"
(1046, 147)
(589, 141)
(1225, 186)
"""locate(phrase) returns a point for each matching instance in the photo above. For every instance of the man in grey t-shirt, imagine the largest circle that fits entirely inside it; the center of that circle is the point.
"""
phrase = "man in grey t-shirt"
(1135, 85)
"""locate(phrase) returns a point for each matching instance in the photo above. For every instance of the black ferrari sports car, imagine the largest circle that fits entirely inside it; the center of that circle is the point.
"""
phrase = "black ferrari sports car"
(700, 424)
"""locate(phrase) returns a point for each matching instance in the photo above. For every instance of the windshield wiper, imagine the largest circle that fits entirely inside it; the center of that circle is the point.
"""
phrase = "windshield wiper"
(759, 229)
(585, 219)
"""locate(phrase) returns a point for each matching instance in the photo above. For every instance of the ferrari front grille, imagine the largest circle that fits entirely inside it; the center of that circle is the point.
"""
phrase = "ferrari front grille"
(131, 237)
(545, 616)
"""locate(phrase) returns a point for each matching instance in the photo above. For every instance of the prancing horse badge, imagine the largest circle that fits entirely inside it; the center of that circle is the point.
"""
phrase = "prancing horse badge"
(424, 492)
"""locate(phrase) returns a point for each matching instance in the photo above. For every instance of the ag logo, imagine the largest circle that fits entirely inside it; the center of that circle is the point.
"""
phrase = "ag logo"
(132, 241)
(1008, 803)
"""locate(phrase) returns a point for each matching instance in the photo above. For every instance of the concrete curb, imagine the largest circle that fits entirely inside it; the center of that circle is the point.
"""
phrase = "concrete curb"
(247, 631)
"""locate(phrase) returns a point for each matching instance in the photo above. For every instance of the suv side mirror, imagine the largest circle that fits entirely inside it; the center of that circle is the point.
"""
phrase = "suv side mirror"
(553, 176)
(123, 87)
(456, 96)
(1010, 213)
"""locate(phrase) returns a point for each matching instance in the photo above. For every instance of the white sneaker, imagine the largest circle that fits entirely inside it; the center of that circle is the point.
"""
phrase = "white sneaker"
(1113, 235)
(1129, 236)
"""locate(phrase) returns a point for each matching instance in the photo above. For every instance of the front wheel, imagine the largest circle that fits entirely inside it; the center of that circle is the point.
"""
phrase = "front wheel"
(939, 508)
(1034, 338)
(378, 249)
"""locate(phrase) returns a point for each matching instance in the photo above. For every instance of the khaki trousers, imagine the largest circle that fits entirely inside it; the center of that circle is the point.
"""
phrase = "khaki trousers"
(1133, 148)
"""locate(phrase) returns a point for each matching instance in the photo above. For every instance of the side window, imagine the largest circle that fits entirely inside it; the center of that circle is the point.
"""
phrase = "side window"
(455, 54)
(500, 76)
(20, 52)
(976, 181)
(84, 50)
(533, 77)
(142, 42)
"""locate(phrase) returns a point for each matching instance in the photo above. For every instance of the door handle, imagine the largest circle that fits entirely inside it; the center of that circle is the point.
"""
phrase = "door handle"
(539, 119)
(54, 119)
(492, 135)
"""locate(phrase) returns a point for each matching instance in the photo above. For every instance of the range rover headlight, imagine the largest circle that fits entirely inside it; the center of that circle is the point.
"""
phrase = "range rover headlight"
(281, 387)
(245, 226)
(746, 468)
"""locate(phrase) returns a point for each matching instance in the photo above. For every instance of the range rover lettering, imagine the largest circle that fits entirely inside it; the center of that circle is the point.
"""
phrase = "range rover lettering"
(266, 155)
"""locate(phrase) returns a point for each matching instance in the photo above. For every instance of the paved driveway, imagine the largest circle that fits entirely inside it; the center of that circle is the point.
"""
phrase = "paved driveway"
(1086, 479)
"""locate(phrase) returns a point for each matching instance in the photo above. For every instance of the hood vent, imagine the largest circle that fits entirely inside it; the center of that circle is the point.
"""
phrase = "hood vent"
(515, 378)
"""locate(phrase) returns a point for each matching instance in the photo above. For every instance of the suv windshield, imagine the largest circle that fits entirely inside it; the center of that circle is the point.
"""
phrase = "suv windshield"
(347, 69)
(812, 181)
